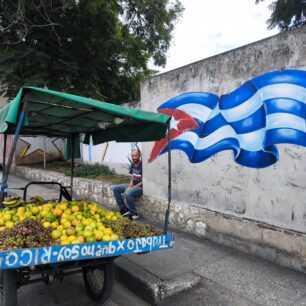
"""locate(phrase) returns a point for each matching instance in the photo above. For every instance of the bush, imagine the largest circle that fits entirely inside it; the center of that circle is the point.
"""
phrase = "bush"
(90, 171)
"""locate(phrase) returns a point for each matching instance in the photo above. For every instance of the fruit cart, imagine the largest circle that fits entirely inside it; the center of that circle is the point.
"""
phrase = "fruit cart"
(37, 111)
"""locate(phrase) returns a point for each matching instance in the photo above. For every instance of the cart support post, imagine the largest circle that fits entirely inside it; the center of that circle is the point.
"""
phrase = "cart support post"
(169, 182)
(11, 155)
(4, 154)
(72, 165)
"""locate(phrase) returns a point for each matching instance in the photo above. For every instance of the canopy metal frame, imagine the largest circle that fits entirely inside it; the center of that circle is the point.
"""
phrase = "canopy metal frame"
(7, 165)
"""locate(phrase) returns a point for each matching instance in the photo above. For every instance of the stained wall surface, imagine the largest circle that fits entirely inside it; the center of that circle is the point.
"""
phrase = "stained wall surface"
(275, 195)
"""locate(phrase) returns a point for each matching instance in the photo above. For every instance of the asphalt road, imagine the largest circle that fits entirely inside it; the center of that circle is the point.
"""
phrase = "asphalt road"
(72, 292)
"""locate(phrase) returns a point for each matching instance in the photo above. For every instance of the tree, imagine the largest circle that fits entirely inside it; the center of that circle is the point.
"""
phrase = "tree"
(286, 14)
(97, 48)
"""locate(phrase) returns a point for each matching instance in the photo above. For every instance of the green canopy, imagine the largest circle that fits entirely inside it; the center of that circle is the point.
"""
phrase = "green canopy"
(58, 114)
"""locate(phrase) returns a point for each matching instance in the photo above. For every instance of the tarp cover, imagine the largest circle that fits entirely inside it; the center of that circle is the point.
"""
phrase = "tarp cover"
(58, 114)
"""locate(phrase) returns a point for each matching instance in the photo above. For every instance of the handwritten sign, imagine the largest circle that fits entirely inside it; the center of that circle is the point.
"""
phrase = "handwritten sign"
(56, 254)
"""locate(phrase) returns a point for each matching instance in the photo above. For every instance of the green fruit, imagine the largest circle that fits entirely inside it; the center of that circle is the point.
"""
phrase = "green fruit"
(90, 239)
(101, 212)
(50, 217)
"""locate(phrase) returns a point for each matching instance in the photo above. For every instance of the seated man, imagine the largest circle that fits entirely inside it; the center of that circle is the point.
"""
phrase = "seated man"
(131, 190)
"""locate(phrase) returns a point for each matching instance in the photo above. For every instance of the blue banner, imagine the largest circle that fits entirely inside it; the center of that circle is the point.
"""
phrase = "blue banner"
(74, 252)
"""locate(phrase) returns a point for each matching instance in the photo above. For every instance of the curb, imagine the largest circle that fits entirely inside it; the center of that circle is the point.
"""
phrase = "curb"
(148, 286)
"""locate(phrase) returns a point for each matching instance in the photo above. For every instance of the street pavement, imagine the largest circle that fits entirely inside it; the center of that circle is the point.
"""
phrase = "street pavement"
(195, 272)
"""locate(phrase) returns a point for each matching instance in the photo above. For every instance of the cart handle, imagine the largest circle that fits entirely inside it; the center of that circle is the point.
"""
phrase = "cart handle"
(63, 190)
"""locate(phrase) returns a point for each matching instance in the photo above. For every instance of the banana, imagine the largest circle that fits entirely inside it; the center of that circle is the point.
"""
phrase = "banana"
(38, 200)
(11, 199)
(11, 204)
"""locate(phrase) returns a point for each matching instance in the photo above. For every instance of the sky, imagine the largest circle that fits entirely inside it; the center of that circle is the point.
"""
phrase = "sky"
(210, 27)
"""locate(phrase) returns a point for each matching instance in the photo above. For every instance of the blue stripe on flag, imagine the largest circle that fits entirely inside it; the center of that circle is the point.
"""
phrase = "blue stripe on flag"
(267, 110)
(286, 106)
(203, 98)
(252, 123)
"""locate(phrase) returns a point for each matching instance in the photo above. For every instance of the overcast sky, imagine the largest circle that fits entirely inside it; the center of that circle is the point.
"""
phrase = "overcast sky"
(210, 27)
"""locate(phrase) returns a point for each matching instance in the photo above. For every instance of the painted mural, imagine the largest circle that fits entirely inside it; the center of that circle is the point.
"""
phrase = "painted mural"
(31, 149)
(267, 110)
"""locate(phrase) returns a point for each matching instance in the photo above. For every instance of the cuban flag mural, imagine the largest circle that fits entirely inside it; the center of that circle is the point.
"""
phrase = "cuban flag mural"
(267, 110)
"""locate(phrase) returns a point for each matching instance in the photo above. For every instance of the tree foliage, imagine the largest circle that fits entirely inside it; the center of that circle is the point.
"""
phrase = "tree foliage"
(97, 48)
(287, 14)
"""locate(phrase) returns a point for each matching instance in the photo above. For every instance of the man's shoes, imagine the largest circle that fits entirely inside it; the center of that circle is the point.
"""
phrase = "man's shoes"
(125, 213)
(134, 217)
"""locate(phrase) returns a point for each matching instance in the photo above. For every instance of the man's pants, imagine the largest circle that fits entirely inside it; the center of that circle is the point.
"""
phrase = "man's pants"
(130, 195)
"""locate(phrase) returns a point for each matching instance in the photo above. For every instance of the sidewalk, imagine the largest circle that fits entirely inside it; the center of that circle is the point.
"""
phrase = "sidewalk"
(214, 275)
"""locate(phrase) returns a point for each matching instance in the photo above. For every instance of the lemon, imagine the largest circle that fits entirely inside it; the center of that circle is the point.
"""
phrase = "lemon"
(64, 216)
(70, 231)
(101, 212)
(46, 224)
(75, 208)
(2, 228)
(2, 222)
(87, 233)
(63, 237)
(75, 241)
(114, 218)
(79, 227)
(70, 218)
(101, 227)
(81, 239)
(55, 224)
(72, 238)
(79, 216)
(47, 207)
(60, 227)
(35, 211)
(114, 237)
(67, 224)
(56, 234)
(107, 231)
(63, 206)
(7, 217)
(67, 211)
(98, 235)
(63, 220)
(86, 222)
(90, 239)
(75, 222)
(57, 212)
(93, 225)
(28, 214)
(106, 238)
(9, 224)
(21, 210)
(65, 242)
(43, 213)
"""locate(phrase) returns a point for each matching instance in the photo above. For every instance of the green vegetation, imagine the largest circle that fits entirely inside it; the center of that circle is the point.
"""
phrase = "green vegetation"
(97, 48)
(96, 171)
(286, 14)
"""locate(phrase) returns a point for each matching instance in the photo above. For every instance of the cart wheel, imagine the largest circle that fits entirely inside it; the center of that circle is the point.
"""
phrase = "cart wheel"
(8, 288)
(99, 281)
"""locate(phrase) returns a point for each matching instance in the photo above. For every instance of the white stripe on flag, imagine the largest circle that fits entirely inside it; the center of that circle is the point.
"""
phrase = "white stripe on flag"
(197, 111)
(285, 120)
(250, 106)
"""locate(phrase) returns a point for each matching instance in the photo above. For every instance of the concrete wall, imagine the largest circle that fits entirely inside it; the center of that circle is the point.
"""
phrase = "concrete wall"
(274, 195)
(284, 247)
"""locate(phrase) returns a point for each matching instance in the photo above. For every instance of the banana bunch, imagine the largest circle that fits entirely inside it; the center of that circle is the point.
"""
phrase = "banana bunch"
(11, 202)
(36, 200)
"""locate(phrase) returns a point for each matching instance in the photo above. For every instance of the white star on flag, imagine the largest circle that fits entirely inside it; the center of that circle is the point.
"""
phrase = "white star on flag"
(174, 123)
